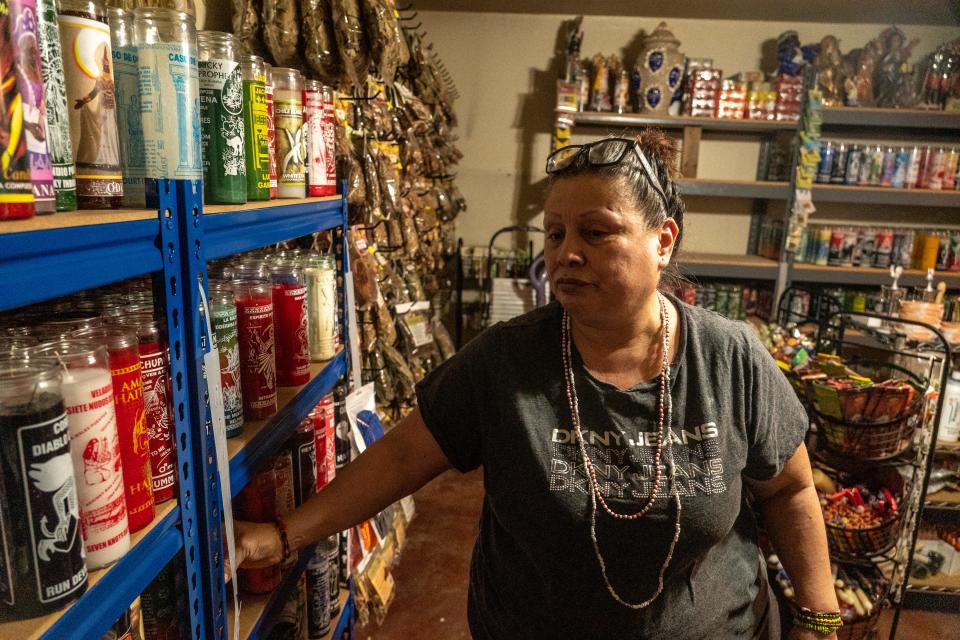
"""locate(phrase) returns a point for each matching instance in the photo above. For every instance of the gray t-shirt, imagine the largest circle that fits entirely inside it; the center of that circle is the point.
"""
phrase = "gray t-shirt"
(501, 403)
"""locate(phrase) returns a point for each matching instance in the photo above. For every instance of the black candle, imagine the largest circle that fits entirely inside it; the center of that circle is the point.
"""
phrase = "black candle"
(41, 552)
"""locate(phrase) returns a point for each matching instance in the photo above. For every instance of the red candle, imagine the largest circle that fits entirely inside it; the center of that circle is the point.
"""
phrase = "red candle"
(290, 316)
(257, 502)
(158, 406)
(125, 369)
(255, 329)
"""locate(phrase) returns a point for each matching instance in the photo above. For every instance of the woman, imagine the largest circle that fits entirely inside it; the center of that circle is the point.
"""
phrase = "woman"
(679, 559)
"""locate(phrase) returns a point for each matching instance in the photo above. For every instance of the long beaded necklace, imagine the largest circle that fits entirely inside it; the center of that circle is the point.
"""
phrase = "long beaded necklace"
(665, 416)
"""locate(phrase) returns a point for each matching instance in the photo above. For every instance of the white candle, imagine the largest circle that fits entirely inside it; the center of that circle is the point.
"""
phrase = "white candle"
(95, 450)
(321, 311)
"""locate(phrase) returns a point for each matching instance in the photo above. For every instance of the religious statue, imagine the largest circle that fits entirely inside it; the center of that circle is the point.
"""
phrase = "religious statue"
(891, 66)
(830, 74)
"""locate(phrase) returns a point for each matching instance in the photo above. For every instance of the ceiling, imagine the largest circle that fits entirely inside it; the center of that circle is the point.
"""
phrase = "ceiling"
(931, 12)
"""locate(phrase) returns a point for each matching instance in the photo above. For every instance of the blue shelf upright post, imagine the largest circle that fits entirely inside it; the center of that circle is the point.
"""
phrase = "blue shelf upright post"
(205, 547)
(341, 249)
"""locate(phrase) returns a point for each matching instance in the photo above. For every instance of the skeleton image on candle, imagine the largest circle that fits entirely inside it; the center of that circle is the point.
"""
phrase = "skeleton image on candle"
(262, 353)
(98, 144)
(55, 476)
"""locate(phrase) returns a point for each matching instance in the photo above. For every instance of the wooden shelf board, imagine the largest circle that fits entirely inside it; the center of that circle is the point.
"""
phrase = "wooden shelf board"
(253, 606)
(803, 272)
(606, 118)
(213, 209)
(856, 194)
(758, 189)
(252, 428)
(945, 495)
(720, 265)
(939, 581)
(34, 628)
(82, 218)
(892, 118)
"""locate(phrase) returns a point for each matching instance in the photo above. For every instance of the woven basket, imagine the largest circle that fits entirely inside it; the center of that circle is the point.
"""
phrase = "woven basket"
(868, 440)
(848, 544)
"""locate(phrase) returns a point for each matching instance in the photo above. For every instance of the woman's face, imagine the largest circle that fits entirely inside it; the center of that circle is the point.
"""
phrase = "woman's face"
(602, 260)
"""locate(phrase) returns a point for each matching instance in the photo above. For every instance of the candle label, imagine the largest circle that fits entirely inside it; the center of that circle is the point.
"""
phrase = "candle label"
(257, 140)
(225, 326)
(293, 353)
(257, 357)
(289, 131)
(157, 407)
(127, 76)
(329, 186)
(52, 514)
(92, 103)
(58, 118)
(30, 80)
(305, 466)
(134, 443)
(15, 184)
(272, 138)
(95, 449)
(170, 109)
(321, 312)
(221, 128)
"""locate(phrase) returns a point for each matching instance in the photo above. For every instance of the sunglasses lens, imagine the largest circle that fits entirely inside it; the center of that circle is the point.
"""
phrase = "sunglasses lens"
(608, 152)
(562, 159)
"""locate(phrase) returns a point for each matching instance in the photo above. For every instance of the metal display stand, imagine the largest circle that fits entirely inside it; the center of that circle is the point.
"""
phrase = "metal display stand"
(50, 256)
(844, 333)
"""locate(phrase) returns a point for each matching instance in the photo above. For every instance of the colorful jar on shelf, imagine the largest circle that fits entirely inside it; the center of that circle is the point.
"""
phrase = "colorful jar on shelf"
(661, 70)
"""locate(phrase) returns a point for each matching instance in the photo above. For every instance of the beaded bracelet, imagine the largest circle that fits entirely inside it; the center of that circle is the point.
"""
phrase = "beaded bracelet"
(284, 542)
(822, 622)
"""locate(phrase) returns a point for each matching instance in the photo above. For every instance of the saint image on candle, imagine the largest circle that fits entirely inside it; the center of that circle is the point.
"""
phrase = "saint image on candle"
(98, 124)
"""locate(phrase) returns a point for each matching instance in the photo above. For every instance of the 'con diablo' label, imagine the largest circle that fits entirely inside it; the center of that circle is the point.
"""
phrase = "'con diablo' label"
(52, 512)
(222, 131)
(159, 427)
(257, 138)
(126, 74)
(225, 326)
(170, 109)
(58, 119)
(288, 123)
(257, 358)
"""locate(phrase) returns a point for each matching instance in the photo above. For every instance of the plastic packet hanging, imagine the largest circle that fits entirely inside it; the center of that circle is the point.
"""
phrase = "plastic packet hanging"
(281, 31)
(414, 286)
(441, 337)
(246, 26)
(364, 269)
(351, 41)
(372, 180)
(388, 49)
(319, 41)
(394, 232)
(402, 375)
(356, 185)
(386, 328)
(389, 185)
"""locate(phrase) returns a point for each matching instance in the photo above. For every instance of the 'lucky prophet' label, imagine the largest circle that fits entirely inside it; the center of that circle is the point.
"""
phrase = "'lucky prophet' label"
(222, 131)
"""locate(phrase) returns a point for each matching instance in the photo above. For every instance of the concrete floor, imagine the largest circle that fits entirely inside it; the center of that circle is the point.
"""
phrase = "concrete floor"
(431, 599)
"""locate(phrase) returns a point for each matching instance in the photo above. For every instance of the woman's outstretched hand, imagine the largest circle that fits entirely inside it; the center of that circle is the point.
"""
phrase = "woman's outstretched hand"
(258, 545)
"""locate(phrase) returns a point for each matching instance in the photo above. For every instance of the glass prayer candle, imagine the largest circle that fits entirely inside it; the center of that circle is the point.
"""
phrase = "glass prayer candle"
(89, 84)
(39, 514)
(58, 118)
(94, 447)
(127, 80)
(255, 130)
(23, 14)
(257, 502)
(158, 404)
(288, 127)
(124, 352)
(169, 96)
(223, 304)
(255, 332)
(304, 448)
(271, 132)
(321, 280)
(221, 119)
(290, 318)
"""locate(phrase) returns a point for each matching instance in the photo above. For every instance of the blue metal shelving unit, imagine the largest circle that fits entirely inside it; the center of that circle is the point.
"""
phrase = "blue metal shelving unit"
(64, 254)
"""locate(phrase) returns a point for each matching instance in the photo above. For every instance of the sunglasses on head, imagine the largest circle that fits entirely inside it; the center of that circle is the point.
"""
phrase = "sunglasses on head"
(604, 153)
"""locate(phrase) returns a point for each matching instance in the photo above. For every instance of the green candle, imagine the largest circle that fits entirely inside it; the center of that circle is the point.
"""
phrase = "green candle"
(221, 119)
(257, 143)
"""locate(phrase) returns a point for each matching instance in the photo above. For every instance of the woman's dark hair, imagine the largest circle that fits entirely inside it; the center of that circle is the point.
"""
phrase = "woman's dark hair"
(661, 151)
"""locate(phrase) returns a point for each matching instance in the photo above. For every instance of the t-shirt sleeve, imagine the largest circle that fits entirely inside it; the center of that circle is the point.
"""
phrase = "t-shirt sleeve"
(778, 422)
(457, 403)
